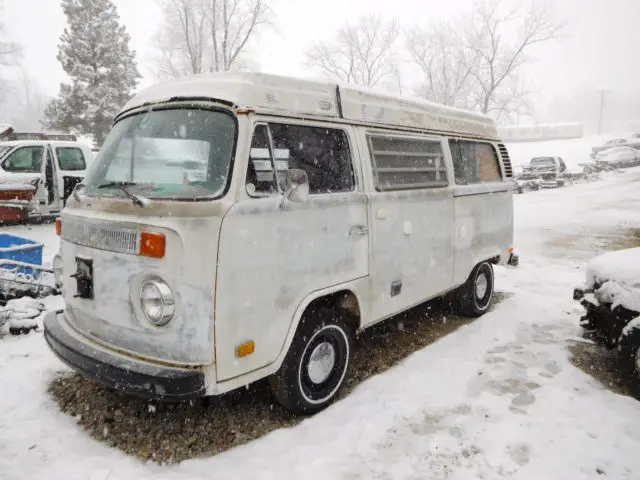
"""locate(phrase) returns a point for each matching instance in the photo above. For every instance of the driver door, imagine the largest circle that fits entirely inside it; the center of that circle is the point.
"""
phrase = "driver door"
(51, 181)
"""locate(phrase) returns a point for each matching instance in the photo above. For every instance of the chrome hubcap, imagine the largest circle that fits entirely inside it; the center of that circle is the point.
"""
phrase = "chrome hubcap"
(481, 285)
(321, 362)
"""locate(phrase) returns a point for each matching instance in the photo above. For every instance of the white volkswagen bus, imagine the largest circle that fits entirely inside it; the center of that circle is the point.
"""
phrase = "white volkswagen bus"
(242, 226)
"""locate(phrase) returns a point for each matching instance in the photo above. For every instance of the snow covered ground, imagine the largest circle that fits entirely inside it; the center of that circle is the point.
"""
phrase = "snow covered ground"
(496, 399)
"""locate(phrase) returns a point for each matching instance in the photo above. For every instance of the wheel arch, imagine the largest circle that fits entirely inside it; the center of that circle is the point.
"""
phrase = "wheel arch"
(348, 290)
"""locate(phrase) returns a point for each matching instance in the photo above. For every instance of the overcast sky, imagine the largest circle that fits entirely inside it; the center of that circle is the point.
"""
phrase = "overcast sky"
(600, 48)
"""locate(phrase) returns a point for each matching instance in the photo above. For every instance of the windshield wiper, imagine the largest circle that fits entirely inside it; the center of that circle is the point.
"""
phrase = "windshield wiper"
(138, 200)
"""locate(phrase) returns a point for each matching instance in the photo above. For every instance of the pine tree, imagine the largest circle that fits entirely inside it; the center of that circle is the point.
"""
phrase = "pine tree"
(94, 51)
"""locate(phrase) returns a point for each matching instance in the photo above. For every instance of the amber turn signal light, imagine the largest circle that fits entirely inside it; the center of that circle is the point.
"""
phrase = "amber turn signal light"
(152, 244)
(245, 349)
(58, 226)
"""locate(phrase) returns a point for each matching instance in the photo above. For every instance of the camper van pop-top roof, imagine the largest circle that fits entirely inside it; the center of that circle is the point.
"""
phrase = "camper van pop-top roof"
(312, 99)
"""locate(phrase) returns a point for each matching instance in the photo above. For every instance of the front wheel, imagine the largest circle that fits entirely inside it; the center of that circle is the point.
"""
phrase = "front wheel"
(316, 365)
(474, 297)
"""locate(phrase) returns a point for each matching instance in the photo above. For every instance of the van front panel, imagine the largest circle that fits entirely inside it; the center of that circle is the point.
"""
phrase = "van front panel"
(114, 316)
(145, 224)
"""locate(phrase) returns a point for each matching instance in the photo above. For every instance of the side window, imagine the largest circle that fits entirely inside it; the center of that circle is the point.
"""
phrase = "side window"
(474, 162)
(25, 159)
(323, 153)
(70, 158)
(407, 163)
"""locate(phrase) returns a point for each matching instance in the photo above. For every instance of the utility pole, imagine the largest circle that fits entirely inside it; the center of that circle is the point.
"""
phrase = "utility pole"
(601, 111)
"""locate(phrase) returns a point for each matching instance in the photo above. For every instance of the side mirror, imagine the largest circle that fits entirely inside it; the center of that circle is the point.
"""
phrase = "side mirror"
(296, 186)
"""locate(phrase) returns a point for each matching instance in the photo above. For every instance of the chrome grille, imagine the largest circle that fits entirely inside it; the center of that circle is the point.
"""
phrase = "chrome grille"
(506, 161)
(103, 237)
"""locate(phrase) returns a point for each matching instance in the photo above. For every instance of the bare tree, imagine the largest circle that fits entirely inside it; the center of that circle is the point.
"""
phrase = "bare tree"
(476, 62)
(10, 54)
(361, 53)
(232, 24)
(29, 100)
(182, 40)
(207, 35)
(447, 65)
(500, 61)
(25, 104)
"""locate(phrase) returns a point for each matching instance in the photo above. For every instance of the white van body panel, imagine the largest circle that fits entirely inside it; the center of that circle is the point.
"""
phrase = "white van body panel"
(270, 260)
(411, 240)
(481, 230)
(412, 248)
(273, 257)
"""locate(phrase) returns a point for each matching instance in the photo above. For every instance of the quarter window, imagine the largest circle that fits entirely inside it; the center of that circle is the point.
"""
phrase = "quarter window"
(474, 162)
(323, 153)
(70, 158)
(25, 159)
(407, 163)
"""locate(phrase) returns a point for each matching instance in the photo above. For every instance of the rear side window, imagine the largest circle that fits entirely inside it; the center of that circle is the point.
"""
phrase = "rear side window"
(70, 158)
(474, 162)
(323, 153)
(25, 159)
(401, 163)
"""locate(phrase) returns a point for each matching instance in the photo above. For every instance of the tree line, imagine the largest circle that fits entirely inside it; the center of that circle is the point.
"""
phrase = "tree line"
(474, 60)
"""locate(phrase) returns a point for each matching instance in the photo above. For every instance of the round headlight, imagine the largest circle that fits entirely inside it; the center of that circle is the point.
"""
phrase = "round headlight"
(57, 269)
(158, 304)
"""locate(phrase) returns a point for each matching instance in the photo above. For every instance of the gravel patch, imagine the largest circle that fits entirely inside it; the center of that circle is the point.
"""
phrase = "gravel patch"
(171, 433)
(605, 366)
(586, 245)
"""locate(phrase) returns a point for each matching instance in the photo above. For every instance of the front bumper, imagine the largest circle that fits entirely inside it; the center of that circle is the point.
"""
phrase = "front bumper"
(120, 372)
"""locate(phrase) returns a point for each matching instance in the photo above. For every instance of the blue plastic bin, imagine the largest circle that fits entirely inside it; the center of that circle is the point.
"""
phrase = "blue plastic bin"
(21, 250)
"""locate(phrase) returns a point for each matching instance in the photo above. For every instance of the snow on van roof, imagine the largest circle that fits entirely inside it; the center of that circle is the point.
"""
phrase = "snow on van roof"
(274, 94)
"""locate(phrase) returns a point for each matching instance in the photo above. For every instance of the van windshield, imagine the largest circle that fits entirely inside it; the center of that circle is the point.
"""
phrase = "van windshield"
(169, 154)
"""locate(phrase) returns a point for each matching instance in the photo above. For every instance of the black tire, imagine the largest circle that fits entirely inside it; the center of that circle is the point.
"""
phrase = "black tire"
(630, 352)
(321, 331)
(472, 299)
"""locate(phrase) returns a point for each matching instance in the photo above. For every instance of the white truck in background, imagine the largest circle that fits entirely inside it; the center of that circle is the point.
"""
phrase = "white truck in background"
(53, 163)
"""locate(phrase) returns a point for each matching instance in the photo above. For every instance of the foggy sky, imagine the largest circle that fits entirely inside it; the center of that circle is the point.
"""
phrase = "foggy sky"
(598, 51)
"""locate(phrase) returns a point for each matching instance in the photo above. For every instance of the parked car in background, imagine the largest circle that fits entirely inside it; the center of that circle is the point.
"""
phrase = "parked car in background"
(633, 142)
(611, 298)
(53, 163)
(542, 172)
(618, 157)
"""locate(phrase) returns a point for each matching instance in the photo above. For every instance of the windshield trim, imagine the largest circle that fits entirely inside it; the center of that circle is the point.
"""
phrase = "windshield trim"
(183, 106)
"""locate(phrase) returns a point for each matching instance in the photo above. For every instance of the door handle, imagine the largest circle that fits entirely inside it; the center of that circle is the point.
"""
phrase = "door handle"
(358, 230)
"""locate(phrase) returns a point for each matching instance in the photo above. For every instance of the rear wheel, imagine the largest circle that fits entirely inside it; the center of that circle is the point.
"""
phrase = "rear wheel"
(316, 365)
(474, 297)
